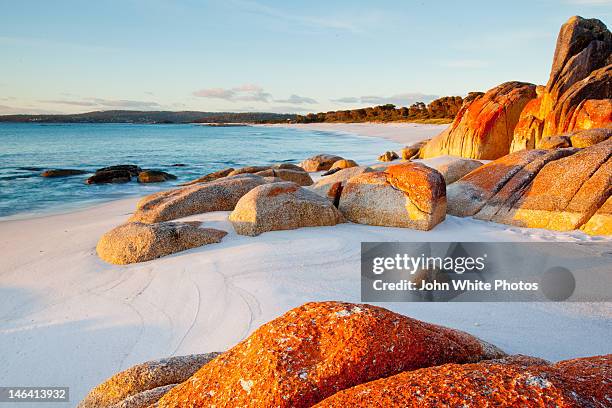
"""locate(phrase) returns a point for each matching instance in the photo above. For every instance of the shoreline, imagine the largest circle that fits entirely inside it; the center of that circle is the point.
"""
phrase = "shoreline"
(61, 306)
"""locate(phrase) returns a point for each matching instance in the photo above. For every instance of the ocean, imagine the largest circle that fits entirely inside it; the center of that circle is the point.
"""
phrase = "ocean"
(26, 149)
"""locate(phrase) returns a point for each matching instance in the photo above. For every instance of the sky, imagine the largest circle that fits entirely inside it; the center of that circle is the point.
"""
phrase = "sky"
(66, 56)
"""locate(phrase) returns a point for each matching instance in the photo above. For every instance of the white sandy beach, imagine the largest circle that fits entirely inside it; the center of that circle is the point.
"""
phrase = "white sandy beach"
(69, 319)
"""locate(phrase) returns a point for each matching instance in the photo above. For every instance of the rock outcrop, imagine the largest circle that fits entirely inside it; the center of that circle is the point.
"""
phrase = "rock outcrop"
(590, 137)
(578, 94)
(559, 189)
(343, 164)
(318, 349)
(601, 222)
(320, 162)
(209, 177)
(388, 156)
(137, 242)
(217, 195)
(409, 195)
(145, 378)
(510, 382)
(62, 173)
(300, 176)
(331, 185)
(154, 176)
(121, 173)
(484, 126)
(282, 206)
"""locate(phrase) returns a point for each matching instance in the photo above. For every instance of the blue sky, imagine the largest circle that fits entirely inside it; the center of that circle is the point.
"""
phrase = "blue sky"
(279, 56)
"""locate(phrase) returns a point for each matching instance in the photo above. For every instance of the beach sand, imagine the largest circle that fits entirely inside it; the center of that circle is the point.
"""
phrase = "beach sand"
(69, 319)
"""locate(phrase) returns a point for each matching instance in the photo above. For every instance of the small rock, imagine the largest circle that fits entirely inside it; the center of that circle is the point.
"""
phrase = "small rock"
(109, 176)
(209, 177)
(388, 156)
(61, 172)
(300, 177)
(320, 162)
(248, 169)
(154, 176)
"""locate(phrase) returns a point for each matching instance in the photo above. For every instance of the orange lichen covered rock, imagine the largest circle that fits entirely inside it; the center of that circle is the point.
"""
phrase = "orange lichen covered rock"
(601, 222)
(484, 126)
(318, 349)
(578, 94)
(511, 382)
(209, 177)
(409, 195)
(566, 192)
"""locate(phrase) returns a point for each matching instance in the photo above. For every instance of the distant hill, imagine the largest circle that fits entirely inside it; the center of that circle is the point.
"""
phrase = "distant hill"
(129, 116)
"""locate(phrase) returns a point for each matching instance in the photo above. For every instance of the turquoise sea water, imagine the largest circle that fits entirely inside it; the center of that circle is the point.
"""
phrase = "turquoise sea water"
(26, 149)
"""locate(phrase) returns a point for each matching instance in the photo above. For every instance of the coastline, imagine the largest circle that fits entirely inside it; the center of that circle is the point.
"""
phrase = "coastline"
(64, 307)
(405, 133)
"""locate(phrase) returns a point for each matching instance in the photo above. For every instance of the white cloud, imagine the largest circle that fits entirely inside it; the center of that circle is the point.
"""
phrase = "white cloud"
(101, 103)
(296, 99)
(247, 92)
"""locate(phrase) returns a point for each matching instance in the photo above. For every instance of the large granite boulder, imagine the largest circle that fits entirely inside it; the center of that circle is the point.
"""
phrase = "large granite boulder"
(300, 176)
(320, 162)
(409, 195)
(560, 189)
(217, 195)
(137, 242)
(282, 206)
(209, 177)
(318, 349)
(566, 192)
(61, 173)
(509, 382)
(579, 90)
(154, 176)
(484, 126)
(331, 185)
(143, 382)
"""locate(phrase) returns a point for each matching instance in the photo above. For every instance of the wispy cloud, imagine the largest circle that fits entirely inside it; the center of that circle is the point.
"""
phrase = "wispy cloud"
(403, 99)
(296, 99)
(247, 92)
(102, 103)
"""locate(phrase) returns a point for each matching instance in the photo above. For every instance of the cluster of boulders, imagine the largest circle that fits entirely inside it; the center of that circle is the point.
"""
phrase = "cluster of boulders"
(121, 173)
(333, 354)
(515, 115)
(284, 197)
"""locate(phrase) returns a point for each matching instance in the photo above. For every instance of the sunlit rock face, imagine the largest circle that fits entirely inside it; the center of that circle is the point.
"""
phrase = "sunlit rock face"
(579, 91)
(483, 128)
